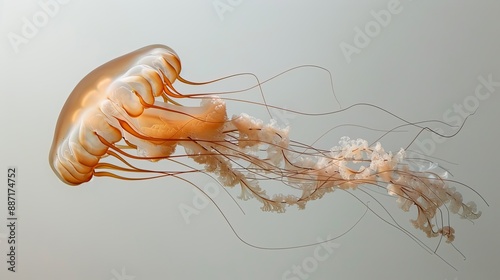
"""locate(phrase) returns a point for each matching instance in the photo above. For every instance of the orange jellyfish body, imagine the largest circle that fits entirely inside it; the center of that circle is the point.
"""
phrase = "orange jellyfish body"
(118, 101)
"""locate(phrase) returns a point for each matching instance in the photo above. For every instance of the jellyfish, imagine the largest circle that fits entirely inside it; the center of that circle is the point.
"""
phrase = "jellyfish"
(127, 111)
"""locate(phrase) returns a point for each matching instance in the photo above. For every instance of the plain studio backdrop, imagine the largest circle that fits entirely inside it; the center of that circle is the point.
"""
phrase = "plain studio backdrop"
(421, 60)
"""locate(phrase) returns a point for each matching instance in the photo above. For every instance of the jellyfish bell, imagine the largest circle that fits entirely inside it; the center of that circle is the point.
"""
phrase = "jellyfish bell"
(112, 94)
(121, 100)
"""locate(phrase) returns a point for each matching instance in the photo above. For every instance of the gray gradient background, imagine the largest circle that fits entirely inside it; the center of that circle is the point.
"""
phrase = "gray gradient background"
(427, 59)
